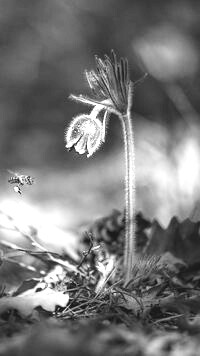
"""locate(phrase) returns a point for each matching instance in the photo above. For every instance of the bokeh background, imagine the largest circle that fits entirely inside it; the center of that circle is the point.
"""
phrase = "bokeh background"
(45, 46)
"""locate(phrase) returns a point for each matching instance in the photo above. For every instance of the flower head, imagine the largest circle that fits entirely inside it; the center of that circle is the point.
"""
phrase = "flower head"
(111, 90)
(84, 134)
(110, 84)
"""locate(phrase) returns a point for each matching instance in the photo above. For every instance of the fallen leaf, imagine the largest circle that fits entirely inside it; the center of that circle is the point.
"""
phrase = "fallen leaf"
(27, 285)
(25, 303)
(106, 272)
(172, 263)
(182, 239)
(138, 304)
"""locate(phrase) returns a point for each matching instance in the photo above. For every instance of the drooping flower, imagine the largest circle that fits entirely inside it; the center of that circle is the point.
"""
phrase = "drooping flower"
(111, 88)
(84, 134)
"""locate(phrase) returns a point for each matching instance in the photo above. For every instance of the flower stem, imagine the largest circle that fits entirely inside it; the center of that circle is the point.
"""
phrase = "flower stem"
(129, 251)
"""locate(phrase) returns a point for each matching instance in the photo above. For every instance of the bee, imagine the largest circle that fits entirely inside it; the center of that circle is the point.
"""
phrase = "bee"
(19, 180)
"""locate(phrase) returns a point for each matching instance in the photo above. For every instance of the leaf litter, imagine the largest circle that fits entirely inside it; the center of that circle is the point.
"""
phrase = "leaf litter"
(85, 299)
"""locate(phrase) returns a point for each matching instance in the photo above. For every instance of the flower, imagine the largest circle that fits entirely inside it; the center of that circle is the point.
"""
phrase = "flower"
(110, 85)
(111, 90)
(84, 134)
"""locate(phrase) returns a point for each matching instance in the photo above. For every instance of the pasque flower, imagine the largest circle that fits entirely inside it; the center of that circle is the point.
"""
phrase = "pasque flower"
(112, 93)
(84, 134)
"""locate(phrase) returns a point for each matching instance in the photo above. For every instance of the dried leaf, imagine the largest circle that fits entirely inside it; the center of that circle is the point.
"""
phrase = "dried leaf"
(27, 285)
(171, 262)
(106, 272)
(181, 239)
(25, 303)
(138, 304)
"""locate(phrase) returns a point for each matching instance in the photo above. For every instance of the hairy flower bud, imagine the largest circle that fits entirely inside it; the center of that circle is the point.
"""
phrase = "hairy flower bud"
(84, 134)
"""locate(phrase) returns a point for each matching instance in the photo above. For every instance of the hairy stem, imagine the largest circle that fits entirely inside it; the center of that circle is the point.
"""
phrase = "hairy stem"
(129, 251)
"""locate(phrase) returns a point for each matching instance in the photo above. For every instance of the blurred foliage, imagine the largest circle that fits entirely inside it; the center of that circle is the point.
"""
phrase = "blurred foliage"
(46, 45)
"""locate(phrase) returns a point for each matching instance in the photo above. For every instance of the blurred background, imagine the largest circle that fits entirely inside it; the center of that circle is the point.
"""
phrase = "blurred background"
(45, 46)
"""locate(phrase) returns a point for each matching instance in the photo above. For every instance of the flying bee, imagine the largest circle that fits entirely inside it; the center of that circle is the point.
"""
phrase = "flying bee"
(19, 180)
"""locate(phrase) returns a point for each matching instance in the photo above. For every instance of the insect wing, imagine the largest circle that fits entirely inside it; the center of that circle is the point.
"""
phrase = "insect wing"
(29, 180)
(13, 173)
